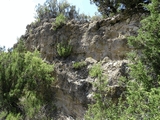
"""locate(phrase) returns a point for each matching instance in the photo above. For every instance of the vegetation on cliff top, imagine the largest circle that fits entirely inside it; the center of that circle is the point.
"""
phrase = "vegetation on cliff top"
(53, 8)
(107, 7)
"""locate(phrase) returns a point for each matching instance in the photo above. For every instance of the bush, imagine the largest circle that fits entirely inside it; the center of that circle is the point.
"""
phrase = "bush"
(138, 104)
(60, 20)
(78, 65)
(53, 8)
(96, 71)
(147, 44)
(108, 7)
(64, 49)
(23, 76)
(97, 110)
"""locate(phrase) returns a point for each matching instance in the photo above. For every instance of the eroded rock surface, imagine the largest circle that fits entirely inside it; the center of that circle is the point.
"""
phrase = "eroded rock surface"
(97, 39)
(102, 41)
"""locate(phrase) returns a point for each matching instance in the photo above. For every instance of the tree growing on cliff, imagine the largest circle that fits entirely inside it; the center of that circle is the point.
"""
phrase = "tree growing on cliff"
(24, 81)
(53, 8)
(106, 7)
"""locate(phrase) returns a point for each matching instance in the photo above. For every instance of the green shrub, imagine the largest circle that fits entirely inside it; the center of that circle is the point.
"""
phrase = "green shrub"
(12, 116)
(139, 104)
(97, 110)
(60, 20)
(107, 7)
(78, 65)
(83, 17)
(147, 48)
(24, 77)
(96, 71)
(64, 49)
(53, 8)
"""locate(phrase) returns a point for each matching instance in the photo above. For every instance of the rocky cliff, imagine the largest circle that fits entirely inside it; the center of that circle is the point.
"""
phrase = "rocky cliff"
(102, 41)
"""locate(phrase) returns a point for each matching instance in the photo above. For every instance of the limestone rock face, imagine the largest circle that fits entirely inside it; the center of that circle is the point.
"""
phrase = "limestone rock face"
(97, 39)
(92, 42)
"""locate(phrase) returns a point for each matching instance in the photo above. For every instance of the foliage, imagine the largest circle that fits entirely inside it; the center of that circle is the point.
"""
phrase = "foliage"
(23, 76)
(78, 65)
(53, 8)
(96, 71)
(96, 17)
(106, 7)
(60, 20)
(141, 104)
(82, 17)
(147, 44)
(142, 97)
(97, 111)
(138, 104)
(64, 49)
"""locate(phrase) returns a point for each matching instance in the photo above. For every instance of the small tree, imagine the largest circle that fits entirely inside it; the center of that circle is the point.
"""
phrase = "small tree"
(64, 49)
(60, 20)
(147, 44)
(106, 7)
(23, 74)
(53, 8)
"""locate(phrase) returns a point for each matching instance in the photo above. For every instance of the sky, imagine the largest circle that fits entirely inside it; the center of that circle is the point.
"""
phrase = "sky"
(15, 15)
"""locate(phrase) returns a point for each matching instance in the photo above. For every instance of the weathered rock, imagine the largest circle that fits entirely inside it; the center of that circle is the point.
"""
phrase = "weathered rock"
(103, 41)
(105, 38)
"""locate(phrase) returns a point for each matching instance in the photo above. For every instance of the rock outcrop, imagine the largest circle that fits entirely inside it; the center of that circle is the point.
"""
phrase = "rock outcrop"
(92, 42)
(97, 39)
